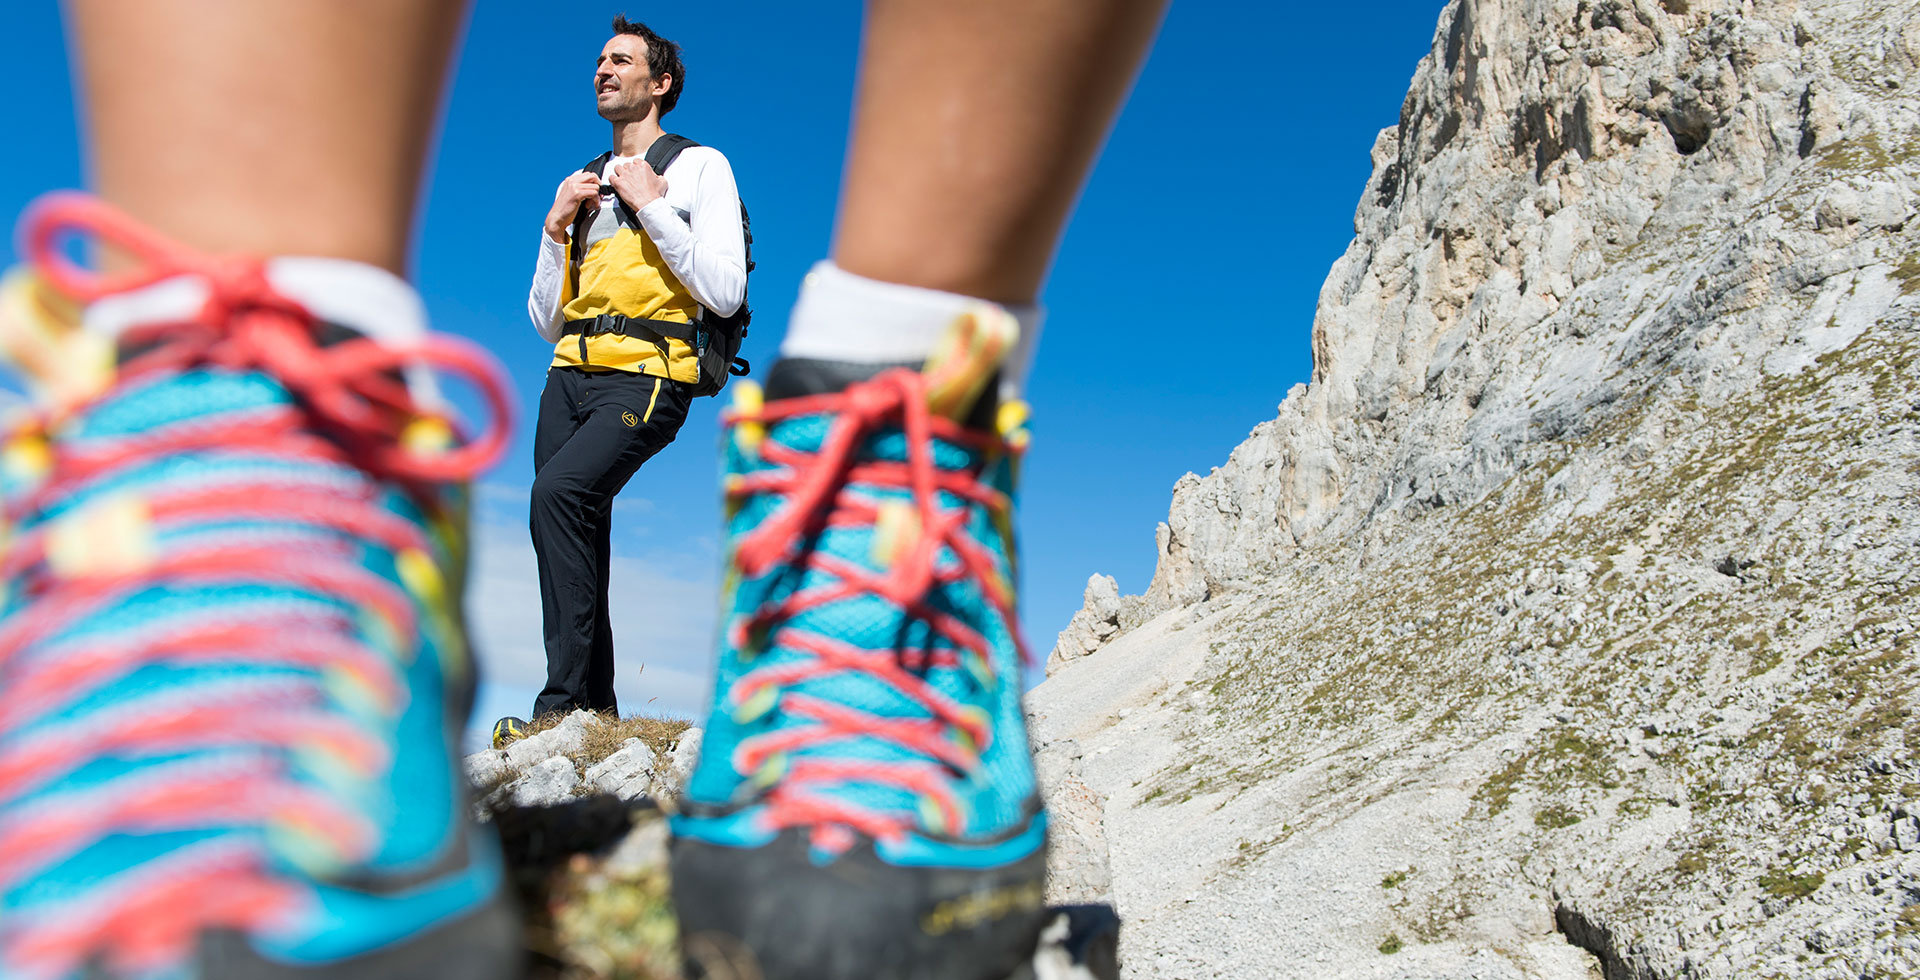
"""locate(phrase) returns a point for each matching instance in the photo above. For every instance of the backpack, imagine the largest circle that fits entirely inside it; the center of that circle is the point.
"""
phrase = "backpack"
(715, 339)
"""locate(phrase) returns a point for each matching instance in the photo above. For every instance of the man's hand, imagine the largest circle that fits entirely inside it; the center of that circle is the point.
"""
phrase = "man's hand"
(637, 184)
(576, 189)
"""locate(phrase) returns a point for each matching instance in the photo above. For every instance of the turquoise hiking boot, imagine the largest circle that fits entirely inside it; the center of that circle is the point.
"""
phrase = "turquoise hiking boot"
(864, 804)
(231, 649)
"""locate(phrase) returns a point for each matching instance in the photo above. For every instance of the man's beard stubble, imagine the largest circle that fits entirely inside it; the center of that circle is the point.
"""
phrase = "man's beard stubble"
(627, 112)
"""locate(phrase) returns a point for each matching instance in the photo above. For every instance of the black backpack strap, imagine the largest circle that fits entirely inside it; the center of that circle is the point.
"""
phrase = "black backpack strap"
(659, 156)
(582, 221)
(665, 150)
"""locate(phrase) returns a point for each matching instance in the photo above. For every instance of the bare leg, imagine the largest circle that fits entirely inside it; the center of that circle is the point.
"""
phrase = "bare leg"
(293, 127)
(273, 475)
(975, 126)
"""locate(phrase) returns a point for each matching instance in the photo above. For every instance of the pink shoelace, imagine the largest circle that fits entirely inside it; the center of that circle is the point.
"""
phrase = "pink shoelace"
(953, 736)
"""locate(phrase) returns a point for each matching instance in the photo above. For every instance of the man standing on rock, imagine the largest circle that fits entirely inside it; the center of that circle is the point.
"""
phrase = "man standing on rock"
(630, 260)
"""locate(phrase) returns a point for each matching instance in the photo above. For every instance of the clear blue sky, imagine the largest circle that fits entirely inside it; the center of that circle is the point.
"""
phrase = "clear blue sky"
(1180, 307)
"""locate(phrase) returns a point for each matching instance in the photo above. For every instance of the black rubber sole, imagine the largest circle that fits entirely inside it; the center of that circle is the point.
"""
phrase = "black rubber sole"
(770, 913)
(485, 944)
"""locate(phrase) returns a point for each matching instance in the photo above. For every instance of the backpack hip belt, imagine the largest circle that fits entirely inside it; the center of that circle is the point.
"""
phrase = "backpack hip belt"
(630, 326)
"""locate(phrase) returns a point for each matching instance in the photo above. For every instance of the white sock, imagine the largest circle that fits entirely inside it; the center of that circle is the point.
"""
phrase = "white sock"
(356, 295)
(844, 317)
(364, 297)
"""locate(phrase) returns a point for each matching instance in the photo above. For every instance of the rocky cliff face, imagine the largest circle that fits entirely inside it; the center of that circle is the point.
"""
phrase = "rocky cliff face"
(1562, 626)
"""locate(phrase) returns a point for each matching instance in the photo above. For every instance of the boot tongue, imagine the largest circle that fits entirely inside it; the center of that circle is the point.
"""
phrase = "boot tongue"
(796, 377)
(963, 372)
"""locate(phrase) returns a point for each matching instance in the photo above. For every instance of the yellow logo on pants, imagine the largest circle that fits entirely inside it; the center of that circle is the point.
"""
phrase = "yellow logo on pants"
(630, 418)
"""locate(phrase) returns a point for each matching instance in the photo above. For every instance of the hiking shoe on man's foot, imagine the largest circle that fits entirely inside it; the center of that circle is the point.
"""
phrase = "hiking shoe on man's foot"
(864, 804)
(507, 731)
(232, 656)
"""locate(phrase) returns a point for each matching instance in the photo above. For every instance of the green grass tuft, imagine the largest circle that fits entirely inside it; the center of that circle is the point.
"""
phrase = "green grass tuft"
(1783, 883)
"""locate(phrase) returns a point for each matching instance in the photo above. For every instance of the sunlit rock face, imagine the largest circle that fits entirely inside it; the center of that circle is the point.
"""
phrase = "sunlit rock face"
(1562, 626)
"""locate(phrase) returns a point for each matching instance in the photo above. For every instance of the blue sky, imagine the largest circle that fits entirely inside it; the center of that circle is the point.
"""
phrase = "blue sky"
(1180, 308)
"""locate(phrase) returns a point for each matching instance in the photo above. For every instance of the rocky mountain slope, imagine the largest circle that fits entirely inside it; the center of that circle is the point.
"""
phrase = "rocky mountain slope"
(1563, 625)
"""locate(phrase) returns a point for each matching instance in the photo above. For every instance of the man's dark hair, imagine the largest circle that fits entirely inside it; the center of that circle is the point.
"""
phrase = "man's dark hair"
(663, 58)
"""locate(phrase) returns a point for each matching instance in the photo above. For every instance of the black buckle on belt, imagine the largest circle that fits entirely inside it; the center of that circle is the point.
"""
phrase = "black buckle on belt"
(595, 326)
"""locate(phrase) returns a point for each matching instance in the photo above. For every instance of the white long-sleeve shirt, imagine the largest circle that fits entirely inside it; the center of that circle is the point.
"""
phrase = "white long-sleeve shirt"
(696, 226)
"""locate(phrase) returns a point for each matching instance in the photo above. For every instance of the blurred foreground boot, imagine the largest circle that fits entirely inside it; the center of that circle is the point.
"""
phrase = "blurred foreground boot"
(234, 667)
(864, 804)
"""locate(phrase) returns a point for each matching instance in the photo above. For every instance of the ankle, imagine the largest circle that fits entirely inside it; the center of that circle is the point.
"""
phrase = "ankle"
(847, 319)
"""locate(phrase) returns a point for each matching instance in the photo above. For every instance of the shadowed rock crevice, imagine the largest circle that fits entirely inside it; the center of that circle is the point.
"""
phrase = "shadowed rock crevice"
(1597, 939)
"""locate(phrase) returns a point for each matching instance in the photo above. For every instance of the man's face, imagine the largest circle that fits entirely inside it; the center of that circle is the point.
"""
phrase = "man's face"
(623, 88)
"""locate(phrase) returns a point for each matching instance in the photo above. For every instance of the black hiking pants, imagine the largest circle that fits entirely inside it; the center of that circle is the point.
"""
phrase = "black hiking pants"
(594, 431)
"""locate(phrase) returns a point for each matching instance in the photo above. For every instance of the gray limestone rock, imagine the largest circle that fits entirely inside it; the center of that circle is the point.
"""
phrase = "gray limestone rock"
(485, 768)
(1077, 867)
(643, 847)
(628, 773)
(547, 783)
(1097, 620)
(567, 736)
(680, 763)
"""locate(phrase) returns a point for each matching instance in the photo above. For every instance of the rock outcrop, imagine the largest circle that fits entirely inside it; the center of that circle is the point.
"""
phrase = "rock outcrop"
(579, 756)
(1563, 624)
(578, 807)
(1103, 613)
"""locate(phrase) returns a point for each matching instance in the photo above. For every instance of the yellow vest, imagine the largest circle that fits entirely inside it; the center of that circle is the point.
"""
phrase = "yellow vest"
(623, 272)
